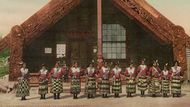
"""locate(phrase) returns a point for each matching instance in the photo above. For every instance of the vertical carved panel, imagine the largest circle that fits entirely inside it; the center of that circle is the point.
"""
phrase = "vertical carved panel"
(179, 48)
(180, 55)
(16, 51)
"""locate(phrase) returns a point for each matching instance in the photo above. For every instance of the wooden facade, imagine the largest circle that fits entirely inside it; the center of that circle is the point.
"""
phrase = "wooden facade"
(75, 23)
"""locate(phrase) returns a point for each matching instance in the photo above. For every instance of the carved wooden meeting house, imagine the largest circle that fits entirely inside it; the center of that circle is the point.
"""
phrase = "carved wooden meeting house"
(86, 30)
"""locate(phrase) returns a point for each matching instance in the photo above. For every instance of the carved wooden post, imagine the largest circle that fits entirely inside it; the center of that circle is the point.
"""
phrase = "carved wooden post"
(16, 51)
(180, 54)
(179, 48)
(99, 29)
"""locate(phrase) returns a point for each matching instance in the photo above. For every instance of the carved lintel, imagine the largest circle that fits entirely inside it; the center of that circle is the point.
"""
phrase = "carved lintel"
(16, 51)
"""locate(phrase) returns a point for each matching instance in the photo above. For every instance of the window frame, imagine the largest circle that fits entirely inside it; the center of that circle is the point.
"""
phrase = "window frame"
(113, 41)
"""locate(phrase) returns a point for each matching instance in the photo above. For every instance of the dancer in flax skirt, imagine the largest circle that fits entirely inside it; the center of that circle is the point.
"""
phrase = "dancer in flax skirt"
(176, 79)
(56, 75)
(165, 76)
(23, 88)
(43, 82)
(142, 75)
(130, 74)
(105, 83)
(75, 80)
(117, 85)
(91, 81)
(154, 74)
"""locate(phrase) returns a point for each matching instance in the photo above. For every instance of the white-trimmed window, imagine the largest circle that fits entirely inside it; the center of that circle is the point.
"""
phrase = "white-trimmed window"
(114, 41)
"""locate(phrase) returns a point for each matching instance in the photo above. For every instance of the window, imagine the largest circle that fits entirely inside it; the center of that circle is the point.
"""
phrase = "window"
(114, 41)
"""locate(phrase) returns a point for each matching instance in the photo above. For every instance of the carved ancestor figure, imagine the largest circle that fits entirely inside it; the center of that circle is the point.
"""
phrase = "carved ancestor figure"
(75, 80)
(105, 84)
(56, 80)
(165, 77)
(23, 85)
(154, 74)
(142, 76)
(16, 51)
(176, 79)
(117, 84)
(130, 74)
(91, 81)
(43, 82)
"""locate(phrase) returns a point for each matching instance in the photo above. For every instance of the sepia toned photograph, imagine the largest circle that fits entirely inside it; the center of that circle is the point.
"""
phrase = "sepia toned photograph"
(94, 53)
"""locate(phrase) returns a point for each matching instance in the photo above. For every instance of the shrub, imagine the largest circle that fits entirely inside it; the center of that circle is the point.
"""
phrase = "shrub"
(4, 66)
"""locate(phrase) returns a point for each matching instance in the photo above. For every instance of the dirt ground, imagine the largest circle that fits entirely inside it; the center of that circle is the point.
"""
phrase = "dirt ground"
(9, 100)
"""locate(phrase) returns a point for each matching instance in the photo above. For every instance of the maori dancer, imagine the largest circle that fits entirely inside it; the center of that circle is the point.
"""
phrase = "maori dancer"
(154, 73)
(105, 83)
(176, 79)
(165, 77)
(117, 84)
(91, 81)
(23, 88)
(75, 80)
(43, 82)
(56, 75)
(130, 74)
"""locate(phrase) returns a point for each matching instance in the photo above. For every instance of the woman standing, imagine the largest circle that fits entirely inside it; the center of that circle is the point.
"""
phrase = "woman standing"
(23, 85)
(176, 79)
(75, 80)
(142, 72)
(131, 81)
(117, 85)
(154, 73)
(56, 79)
(105, 83)
(165, 76)
(91, 81)
(43, 82)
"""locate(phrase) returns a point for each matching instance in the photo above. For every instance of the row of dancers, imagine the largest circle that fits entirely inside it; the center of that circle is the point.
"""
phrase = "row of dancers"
(104, 79)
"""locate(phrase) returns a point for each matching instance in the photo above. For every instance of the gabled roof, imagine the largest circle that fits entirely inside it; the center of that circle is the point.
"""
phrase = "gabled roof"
(151, 19)
(139, 10)
(43, 20)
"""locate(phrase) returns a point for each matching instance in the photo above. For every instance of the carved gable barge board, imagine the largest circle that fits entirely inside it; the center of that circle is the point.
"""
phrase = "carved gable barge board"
(131, 8)
(165, 23)
(43, 20)
(47, 17)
